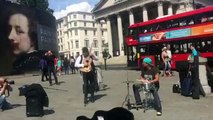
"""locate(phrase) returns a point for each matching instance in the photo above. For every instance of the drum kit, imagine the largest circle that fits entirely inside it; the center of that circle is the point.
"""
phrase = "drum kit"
(146, 87)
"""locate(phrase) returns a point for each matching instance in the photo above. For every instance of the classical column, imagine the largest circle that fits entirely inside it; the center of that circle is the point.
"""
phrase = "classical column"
(131, 17)
(120, 34)
(109, 36)
(99, 38)
(145, 14)
(170, 12)
(160, 9)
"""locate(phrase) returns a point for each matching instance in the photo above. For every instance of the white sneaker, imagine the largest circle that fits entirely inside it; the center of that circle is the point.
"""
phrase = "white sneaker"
(159, 113)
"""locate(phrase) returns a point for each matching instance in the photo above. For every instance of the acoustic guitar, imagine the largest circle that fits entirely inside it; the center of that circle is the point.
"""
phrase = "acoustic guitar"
(87, 62)
(88, 67)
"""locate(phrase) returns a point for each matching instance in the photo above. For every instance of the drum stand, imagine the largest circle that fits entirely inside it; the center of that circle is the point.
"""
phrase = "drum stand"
(127, 98)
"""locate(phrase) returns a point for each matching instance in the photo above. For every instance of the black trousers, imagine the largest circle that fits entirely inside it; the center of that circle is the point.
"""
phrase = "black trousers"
(44, 73)
(51, 69)
(137, 87)
(195, 83)
(88, 85)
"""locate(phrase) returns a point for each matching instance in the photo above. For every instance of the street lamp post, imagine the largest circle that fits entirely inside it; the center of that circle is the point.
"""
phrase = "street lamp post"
(193, 4)
(105, 55)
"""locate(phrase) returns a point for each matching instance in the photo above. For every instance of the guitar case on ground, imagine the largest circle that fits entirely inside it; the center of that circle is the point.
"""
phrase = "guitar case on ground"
(34, 107)
(186, 86)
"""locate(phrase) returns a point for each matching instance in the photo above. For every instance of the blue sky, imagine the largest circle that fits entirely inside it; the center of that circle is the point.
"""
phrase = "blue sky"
(58, 5)
(62, 7)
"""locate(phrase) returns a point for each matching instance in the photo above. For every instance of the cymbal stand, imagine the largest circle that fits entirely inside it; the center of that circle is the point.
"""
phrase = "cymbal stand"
(127, 98)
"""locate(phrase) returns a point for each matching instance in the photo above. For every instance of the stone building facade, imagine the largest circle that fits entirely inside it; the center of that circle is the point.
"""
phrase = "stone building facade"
(119, 14)
(77, 30)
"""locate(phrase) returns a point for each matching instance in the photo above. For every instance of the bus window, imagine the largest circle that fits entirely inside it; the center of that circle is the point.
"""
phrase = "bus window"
(191, 22)
(132, 53)
(205, 17)
(183, 22)
(183, 48)
(174, 23)
(132, 31)
(155, 49)
(176, 48)
(208, 47)
(144, 50)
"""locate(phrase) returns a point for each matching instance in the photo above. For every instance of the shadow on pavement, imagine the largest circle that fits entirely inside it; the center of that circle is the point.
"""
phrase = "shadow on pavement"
(48, 111)
(99, 96)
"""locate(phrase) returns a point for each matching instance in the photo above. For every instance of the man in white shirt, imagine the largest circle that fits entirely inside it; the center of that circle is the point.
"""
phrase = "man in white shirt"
(169, 52)
(86, 61)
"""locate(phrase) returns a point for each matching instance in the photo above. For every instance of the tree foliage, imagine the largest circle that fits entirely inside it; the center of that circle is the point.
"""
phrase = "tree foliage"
(39, 4)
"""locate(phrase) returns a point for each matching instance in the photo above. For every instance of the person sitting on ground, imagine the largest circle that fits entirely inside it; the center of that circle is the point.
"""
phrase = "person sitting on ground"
(3, 102)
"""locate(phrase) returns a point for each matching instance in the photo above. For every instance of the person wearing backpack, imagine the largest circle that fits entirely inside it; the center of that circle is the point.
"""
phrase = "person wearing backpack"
(85, 64)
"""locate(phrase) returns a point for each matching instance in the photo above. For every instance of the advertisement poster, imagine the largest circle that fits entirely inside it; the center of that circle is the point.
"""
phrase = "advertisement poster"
(23, 33)
(202, 30)
(178, 33)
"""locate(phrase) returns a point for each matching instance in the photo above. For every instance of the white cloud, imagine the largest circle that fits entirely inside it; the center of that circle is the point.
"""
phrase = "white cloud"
(83, 6)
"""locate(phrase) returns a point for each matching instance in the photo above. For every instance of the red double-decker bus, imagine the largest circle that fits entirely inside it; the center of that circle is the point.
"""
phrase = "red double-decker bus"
(146, 39)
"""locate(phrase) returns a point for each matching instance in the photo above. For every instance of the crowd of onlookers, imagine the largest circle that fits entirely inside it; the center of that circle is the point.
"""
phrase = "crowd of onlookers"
(60, 65)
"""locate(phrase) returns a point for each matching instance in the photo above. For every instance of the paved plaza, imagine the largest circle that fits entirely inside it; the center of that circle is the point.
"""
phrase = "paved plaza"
(66, 100)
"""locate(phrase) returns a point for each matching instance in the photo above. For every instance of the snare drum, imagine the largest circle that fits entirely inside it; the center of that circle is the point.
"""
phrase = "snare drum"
(147, 86)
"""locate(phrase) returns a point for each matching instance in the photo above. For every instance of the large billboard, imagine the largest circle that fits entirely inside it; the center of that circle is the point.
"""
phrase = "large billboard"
(25, 35)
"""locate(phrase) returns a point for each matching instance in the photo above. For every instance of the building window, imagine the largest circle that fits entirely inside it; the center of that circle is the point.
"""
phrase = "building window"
(96, 53)
(84, 16)
(71, 44)
(77, 44)
(58, 48)
(93, 17)
(86, 42)
(103, 41)
(75, 23)
(68, 35)
(95, 43)
(101, 25)
(68, 45)
(61, 40)
(94, 32)
(74, 16)
(58, 41)
(85, 32)
(102, 33)
(93, 24)
(85, 24)
(77, 54)
(76, 32)
(61, 47)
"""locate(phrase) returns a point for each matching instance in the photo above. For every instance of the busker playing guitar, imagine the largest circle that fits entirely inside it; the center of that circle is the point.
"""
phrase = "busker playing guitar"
(85, 64)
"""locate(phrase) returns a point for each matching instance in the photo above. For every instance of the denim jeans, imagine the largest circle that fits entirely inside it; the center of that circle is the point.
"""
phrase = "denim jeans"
(137, 89)
(3, 103)
(167, 66)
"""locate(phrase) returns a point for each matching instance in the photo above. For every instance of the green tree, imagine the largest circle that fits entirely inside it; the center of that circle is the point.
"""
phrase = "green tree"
(39, 4)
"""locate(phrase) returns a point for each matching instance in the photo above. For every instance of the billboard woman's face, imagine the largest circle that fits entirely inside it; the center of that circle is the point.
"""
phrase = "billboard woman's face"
(18, 34)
